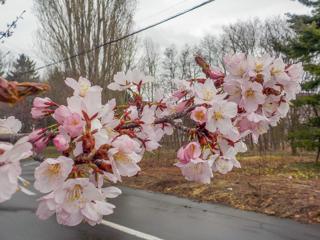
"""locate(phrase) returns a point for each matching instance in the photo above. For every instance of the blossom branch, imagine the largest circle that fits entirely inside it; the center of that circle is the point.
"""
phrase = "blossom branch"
(167, 119)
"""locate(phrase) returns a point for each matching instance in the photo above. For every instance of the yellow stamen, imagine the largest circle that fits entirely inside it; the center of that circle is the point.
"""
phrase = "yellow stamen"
(259, 67)
(200, 115)
(54, 169)
(275, 71)
(122, 157)
(76, 193)
(217, 116)
(249, 93)
(84, 88)
(207, 95)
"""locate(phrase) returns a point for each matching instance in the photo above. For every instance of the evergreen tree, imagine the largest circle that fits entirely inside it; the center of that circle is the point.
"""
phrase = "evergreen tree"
(23, 70)
(305, 47)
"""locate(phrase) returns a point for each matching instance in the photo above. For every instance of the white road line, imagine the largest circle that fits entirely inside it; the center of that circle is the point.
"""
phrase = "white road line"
(30, 164)
(130, 231)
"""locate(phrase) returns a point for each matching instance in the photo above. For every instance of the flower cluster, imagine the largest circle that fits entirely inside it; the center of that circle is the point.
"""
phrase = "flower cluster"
(252, 95)
(100, 143)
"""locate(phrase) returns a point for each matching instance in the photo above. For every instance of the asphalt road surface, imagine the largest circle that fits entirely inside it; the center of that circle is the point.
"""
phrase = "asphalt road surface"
(145, 215)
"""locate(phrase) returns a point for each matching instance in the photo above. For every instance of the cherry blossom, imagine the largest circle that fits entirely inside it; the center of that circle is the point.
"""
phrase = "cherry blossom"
(252, 96)
(76, 201)
(10, 156)
(10, 125)
(220, 115)
(52, 173)
(124, 156)
(199, 114)
(81, 87)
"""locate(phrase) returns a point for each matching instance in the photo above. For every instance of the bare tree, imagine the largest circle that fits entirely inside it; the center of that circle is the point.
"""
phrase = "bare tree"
(169, 67)
(187, 67)
(68, 27)
(149, 64)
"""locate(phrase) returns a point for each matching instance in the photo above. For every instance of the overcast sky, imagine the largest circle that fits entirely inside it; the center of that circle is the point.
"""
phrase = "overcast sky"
(186, 29)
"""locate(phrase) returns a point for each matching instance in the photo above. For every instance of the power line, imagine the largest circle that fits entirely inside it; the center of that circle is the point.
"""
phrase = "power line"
(123, 37)
(162, 11)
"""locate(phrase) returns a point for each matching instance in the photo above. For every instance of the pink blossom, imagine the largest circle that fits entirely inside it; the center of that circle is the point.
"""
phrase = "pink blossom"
(197, 170)
(10, 169)
(189, 152)
(225, 164)
(61, 142)
(10, 125)
(207, 92)
(295, 72)
(41, 108)
(199, 114)
(252, 96)
(124, 156)
(76, 201)
(90, 104)
(38, 113)
(41, 144)
(259, 65)
(123, 81)
(232, 86)
(36, 134)
(236, 64)
(61, 113)
(42, 102)
(39, 139)
(82, 86)
(51, 173)
(47, 206)
(219, 116)
(255, 128)
(278, 70)
(148, 115)
(73, 125)
(179, 94)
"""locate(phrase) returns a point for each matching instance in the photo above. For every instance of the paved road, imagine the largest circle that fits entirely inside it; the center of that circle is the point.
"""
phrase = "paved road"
(162, 216)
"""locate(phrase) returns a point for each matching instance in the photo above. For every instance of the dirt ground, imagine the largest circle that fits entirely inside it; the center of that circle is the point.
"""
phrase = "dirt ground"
(278, 184)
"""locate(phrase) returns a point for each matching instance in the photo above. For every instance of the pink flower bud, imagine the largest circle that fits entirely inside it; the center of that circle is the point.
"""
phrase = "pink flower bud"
(61, 143)
(36, 134)
(41, 144)
(42, 102)
(73, 125)
(41, 108)
(179, 94)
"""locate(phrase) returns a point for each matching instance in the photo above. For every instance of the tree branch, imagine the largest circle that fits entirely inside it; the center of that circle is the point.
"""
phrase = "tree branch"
(168, 119)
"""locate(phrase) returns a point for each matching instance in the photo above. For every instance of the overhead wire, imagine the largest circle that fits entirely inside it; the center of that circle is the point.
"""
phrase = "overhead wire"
(122, 38)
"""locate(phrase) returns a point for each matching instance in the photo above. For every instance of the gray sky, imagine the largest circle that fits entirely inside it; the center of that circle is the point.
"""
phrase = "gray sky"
(186, 29)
